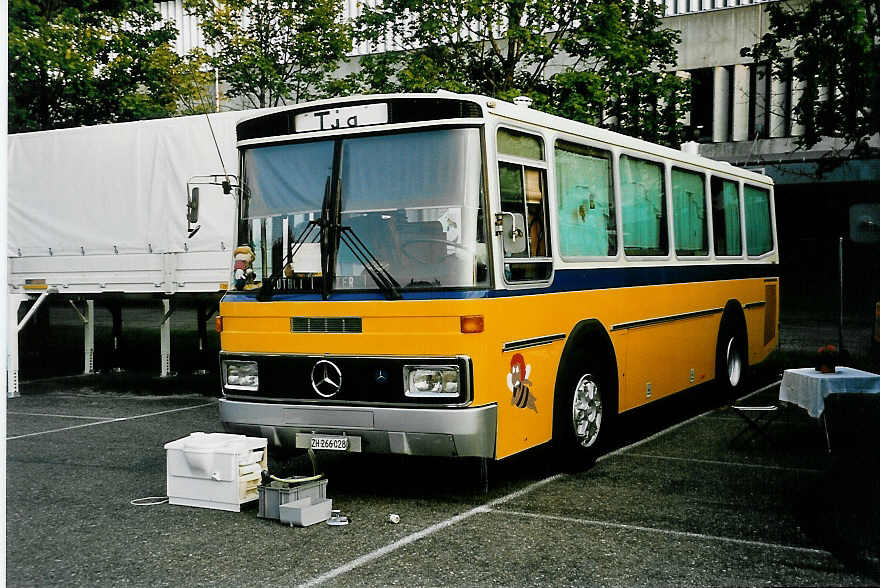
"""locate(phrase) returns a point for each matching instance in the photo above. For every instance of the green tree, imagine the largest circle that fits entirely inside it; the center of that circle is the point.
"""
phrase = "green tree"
(82, 63)
(601, 62)
(273, 51)
(835, 50)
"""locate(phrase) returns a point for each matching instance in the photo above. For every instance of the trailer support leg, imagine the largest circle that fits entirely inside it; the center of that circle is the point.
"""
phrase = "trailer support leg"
(14, 302)
(115, 308)
(88, 320)
(89, 338)
(165, 337)
(204, 312)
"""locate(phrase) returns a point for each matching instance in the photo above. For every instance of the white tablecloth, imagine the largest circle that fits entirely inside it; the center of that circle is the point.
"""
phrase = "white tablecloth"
(808, 388)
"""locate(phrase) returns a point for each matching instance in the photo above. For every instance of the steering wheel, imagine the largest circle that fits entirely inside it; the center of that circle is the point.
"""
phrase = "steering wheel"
(405, 246)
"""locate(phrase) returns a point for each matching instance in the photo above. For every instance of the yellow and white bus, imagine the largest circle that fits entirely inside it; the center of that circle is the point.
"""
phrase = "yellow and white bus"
(454, 275)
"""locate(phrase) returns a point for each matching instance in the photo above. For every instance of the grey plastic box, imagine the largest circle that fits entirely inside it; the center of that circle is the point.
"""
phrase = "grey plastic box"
(278, 493)
(303, 513)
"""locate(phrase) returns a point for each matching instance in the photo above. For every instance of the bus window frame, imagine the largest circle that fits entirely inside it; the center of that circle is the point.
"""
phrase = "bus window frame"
(742, 227)
(707, 211)
(664, 164)
(495, 199)
(613, 152)
(771, 200)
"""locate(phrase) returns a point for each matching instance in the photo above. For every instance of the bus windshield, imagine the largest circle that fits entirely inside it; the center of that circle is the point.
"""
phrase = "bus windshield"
(414, 200)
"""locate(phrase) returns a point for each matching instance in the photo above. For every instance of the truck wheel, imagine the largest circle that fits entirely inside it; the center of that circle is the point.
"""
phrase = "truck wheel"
(583, 413)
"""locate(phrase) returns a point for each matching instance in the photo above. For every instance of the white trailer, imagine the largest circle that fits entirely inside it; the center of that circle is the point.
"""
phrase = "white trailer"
(101, 212)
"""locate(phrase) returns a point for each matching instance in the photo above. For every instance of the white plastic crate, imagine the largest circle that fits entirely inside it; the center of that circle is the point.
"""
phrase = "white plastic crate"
(215, 470)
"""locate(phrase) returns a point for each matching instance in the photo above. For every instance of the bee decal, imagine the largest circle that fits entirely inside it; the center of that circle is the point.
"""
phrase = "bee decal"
(519, 384)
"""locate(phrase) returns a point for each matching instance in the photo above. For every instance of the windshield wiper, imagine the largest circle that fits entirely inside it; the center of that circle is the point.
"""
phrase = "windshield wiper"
(268, 285)
(327, 228)
(383, 279)
(386, 282)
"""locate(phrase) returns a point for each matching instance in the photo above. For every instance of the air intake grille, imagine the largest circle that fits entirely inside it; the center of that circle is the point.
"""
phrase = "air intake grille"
(333, 324)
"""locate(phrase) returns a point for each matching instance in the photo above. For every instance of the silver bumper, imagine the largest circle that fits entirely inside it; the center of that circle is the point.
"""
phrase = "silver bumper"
(410, 431)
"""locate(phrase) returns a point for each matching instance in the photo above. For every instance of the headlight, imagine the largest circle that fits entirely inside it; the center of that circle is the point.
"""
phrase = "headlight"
(241, 375)
(434, 381)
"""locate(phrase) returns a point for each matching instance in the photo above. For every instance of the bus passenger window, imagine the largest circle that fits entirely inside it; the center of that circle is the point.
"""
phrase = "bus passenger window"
(643, 201)
(585, 201)
(759, 235)
(689, 213)
(726, 224)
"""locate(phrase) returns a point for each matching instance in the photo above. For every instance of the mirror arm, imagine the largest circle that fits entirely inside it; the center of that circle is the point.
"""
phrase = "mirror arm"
(499, 226)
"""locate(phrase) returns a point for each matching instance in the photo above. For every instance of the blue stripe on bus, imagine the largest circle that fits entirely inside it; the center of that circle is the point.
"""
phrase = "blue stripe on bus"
(565, 280)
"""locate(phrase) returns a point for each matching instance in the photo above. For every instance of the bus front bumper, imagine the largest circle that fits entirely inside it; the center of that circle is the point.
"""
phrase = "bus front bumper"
(461, 432)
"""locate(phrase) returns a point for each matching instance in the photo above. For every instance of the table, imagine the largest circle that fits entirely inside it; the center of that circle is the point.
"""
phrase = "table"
(808, 388)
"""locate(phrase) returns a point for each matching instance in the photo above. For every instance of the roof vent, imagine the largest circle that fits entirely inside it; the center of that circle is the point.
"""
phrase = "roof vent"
(523, 101)
(691, 147)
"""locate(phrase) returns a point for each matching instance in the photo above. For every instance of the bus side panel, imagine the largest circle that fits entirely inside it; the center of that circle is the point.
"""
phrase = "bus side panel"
(669, 356)
(522, 379)
(763, 320)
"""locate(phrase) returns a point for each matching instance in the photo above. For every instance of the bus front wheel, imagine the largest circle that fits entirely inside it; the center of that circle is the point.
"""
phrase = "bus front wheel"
(582, 416)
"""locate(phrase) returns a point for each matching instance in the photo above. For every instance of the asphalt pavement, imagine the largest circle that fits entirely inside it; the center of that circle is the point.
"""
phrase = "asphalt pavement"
(682, 499)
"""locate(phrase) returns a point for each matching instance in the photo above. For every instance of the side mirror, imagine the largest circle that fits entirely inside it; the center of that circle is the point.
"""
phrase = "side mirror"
(864, 223)
(513, 230)
(192, 206)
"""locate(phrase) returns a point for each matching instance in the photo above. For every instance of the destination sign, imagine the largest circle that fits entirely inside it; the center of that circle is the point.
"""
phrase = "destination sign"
(346, 117)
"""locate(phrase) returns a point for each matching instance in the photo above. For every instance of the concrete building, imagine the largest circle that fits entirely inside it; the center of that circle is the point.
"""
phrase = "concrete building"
(741, 115)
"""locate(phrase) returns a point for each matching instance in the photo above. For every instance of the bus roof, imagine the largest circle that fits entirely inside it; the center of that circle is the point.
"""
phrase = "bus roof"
(493, 107)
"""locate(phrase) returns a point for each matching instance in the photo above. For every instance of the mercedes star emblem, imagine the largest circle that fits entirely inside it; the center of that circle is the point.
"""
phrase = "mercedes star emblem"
(326, 378)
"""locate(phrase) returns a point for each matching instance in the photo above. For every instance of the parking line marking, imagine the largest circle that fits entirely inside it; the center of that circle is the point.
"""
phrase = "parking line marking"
(611, 525)
(116, 420)
(489, 507)
(727, 463)
(678, 425)
(403, 542)
(59, 416)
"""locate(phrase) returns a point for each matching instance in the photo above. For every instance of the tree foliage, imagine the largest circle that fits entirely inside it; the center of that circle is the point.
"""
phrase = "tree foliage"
(835, 46)
(273, 51)
(86, 62)
(601, 62)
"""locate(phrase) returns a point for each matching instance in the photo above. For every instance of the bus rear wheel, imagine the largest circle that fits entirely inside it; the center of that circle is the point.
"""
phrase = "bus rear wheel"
(730, 360)
(582, 417)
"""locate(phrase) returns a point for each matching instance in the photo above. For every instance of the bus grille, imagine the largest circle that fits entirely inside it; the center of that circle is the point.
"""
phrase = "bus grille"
(334, 324)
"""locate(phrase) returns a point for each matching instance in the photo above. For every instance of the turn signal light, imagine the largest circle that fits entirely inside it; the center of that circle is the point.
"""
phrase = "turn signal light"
(472, 324)
(218, 323)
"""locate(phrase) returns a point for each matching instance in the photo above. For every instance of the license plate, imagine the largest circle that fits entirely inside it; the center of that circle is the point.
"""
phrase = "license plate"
(330, 443)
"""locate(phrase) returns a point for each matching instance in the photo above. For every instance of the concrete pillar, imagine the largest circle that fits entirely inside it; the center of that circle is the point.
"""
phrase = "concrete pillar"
(797, 94)
(720, 102)
(740, 103)
(686, 117)
(682, 7)
(761, 101)
(779, 107)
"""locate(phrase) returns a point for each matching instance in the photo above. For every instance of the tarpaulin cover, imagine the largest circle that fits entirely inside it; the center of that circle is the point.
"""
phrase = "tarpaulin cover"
(120, 188)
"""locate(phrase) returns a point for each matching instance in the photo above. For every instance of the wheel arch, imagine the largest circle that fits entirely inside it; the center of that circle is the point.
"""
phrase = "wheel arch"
(590, 336)
(734, 318)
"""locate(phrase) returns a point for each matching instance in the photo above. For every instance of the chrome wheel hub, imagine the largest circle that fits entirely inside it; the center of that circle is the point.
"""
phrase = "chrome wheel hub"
(586, 411)
(734, 362)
